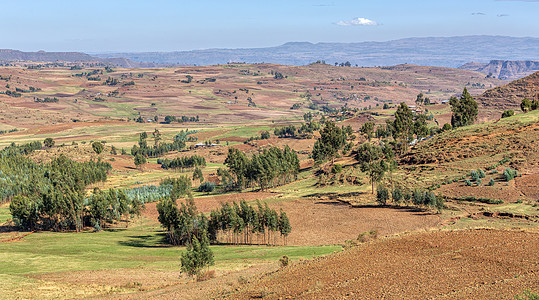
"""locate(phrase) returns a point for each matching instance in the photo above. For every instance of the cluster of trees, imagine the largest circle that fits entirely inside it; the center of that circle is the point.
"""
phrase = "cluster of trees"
(234, 223)
(464, 110)
(12, 94)
(182, 163)
(422, 100)
(51, 196)
(46, 100)
(263, 136)
(304, 132)
(180, 119)
(270, 168)
(158, 148)
(237, 223)
(403, 128)
(109, 206)
(278, 75)
(417, 197)
(111, 81)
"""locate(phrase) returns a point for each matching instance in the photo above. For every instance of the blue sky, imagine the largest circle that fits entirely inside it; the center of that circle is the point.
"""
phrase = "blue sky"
(162, 25)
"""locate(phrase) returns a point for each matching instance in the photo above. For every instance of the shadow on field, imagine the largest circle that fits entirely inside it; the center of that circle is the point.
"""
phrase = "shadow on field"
(333, 195)
(146, 241)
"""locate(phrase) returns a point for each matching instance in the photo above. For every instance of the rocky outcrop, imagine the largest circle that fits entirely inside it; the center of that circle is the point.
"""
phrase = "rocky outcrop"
(504, 69)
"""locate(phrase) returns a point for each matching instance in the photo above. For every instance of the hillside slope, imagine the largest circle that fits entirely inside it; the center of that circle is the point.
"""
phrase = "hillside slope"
(510, 95)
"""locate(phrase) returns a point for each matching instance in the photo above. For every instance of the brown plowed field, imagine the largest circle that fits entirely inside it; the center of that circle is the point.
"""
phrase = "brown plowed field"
(325, 222)
(470, 264)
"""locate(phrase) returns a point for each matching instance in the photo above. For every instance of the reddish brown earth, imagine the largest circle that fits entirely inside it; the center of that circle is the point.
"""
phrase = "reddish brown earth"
(322, 222)
(325, 222)
(470, 264)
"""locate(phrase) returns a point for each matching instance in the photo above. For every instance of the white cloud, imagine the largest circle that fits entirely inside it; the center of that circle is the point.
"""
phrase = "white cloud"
(357, 22)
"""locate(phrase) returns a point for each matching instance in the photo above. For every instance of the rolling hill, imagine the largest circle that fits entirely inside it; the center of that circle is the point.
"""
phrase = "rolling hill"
(510, 95)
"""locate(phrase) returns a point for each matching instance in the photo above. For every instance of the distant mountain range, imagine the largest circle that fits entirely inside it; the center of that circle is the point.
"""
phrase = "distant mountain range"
(504, 69)
(431, 51)
(42, 56)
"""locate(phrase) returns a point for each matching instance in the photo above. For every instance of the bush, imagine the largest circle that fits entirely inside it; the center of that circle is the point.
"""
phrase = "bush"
(407, 196)
(418, 197)
(206, 187)
(508, 113)
(468, 182)
(481, 173)
(509, 174)
(397, 195)
(491, 182)
(447, 127)
(429, 199)
(475, 176)
(382, 194)
(439, 202)
(284, 261)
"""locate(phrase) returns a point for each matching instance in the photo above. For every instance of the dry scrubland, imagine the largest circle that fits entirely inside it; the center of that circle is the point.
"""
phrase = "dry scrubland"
(442, 255)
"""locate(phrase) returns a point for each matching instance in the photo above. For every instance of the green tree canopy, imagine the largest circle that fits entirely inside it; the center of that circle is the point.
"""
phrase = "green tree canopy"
(332, 139)
(371, 159)
(464, 110)
(48, 142)
(98, 147)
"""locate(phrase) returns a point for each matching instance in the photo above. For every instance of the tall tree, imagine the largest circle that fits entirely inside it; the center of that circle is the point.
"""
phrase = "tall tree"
(403, 126)
(371, 159)
(368, 130)
(464, 110)
(332, 139)
(197, 256)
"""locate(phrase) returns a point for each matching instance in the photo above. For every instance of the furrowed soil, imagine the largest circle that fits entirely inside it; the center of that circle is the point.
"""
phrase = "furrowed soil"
(468, 264)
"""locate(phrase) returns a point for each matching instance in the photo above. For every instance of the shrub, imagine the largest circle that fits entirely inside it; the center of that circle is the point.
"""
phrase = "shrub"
(284, 261)
(439, 202)
(429, 199)
(418, 197)
(468, 182)
(475, 176)
(397, 195)
(382, 194)
(491, 182)
(206, 187)
(478, 182)
(509, 174)
(481, 173)
(508, 113)
(447, 127)
(407, 196)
